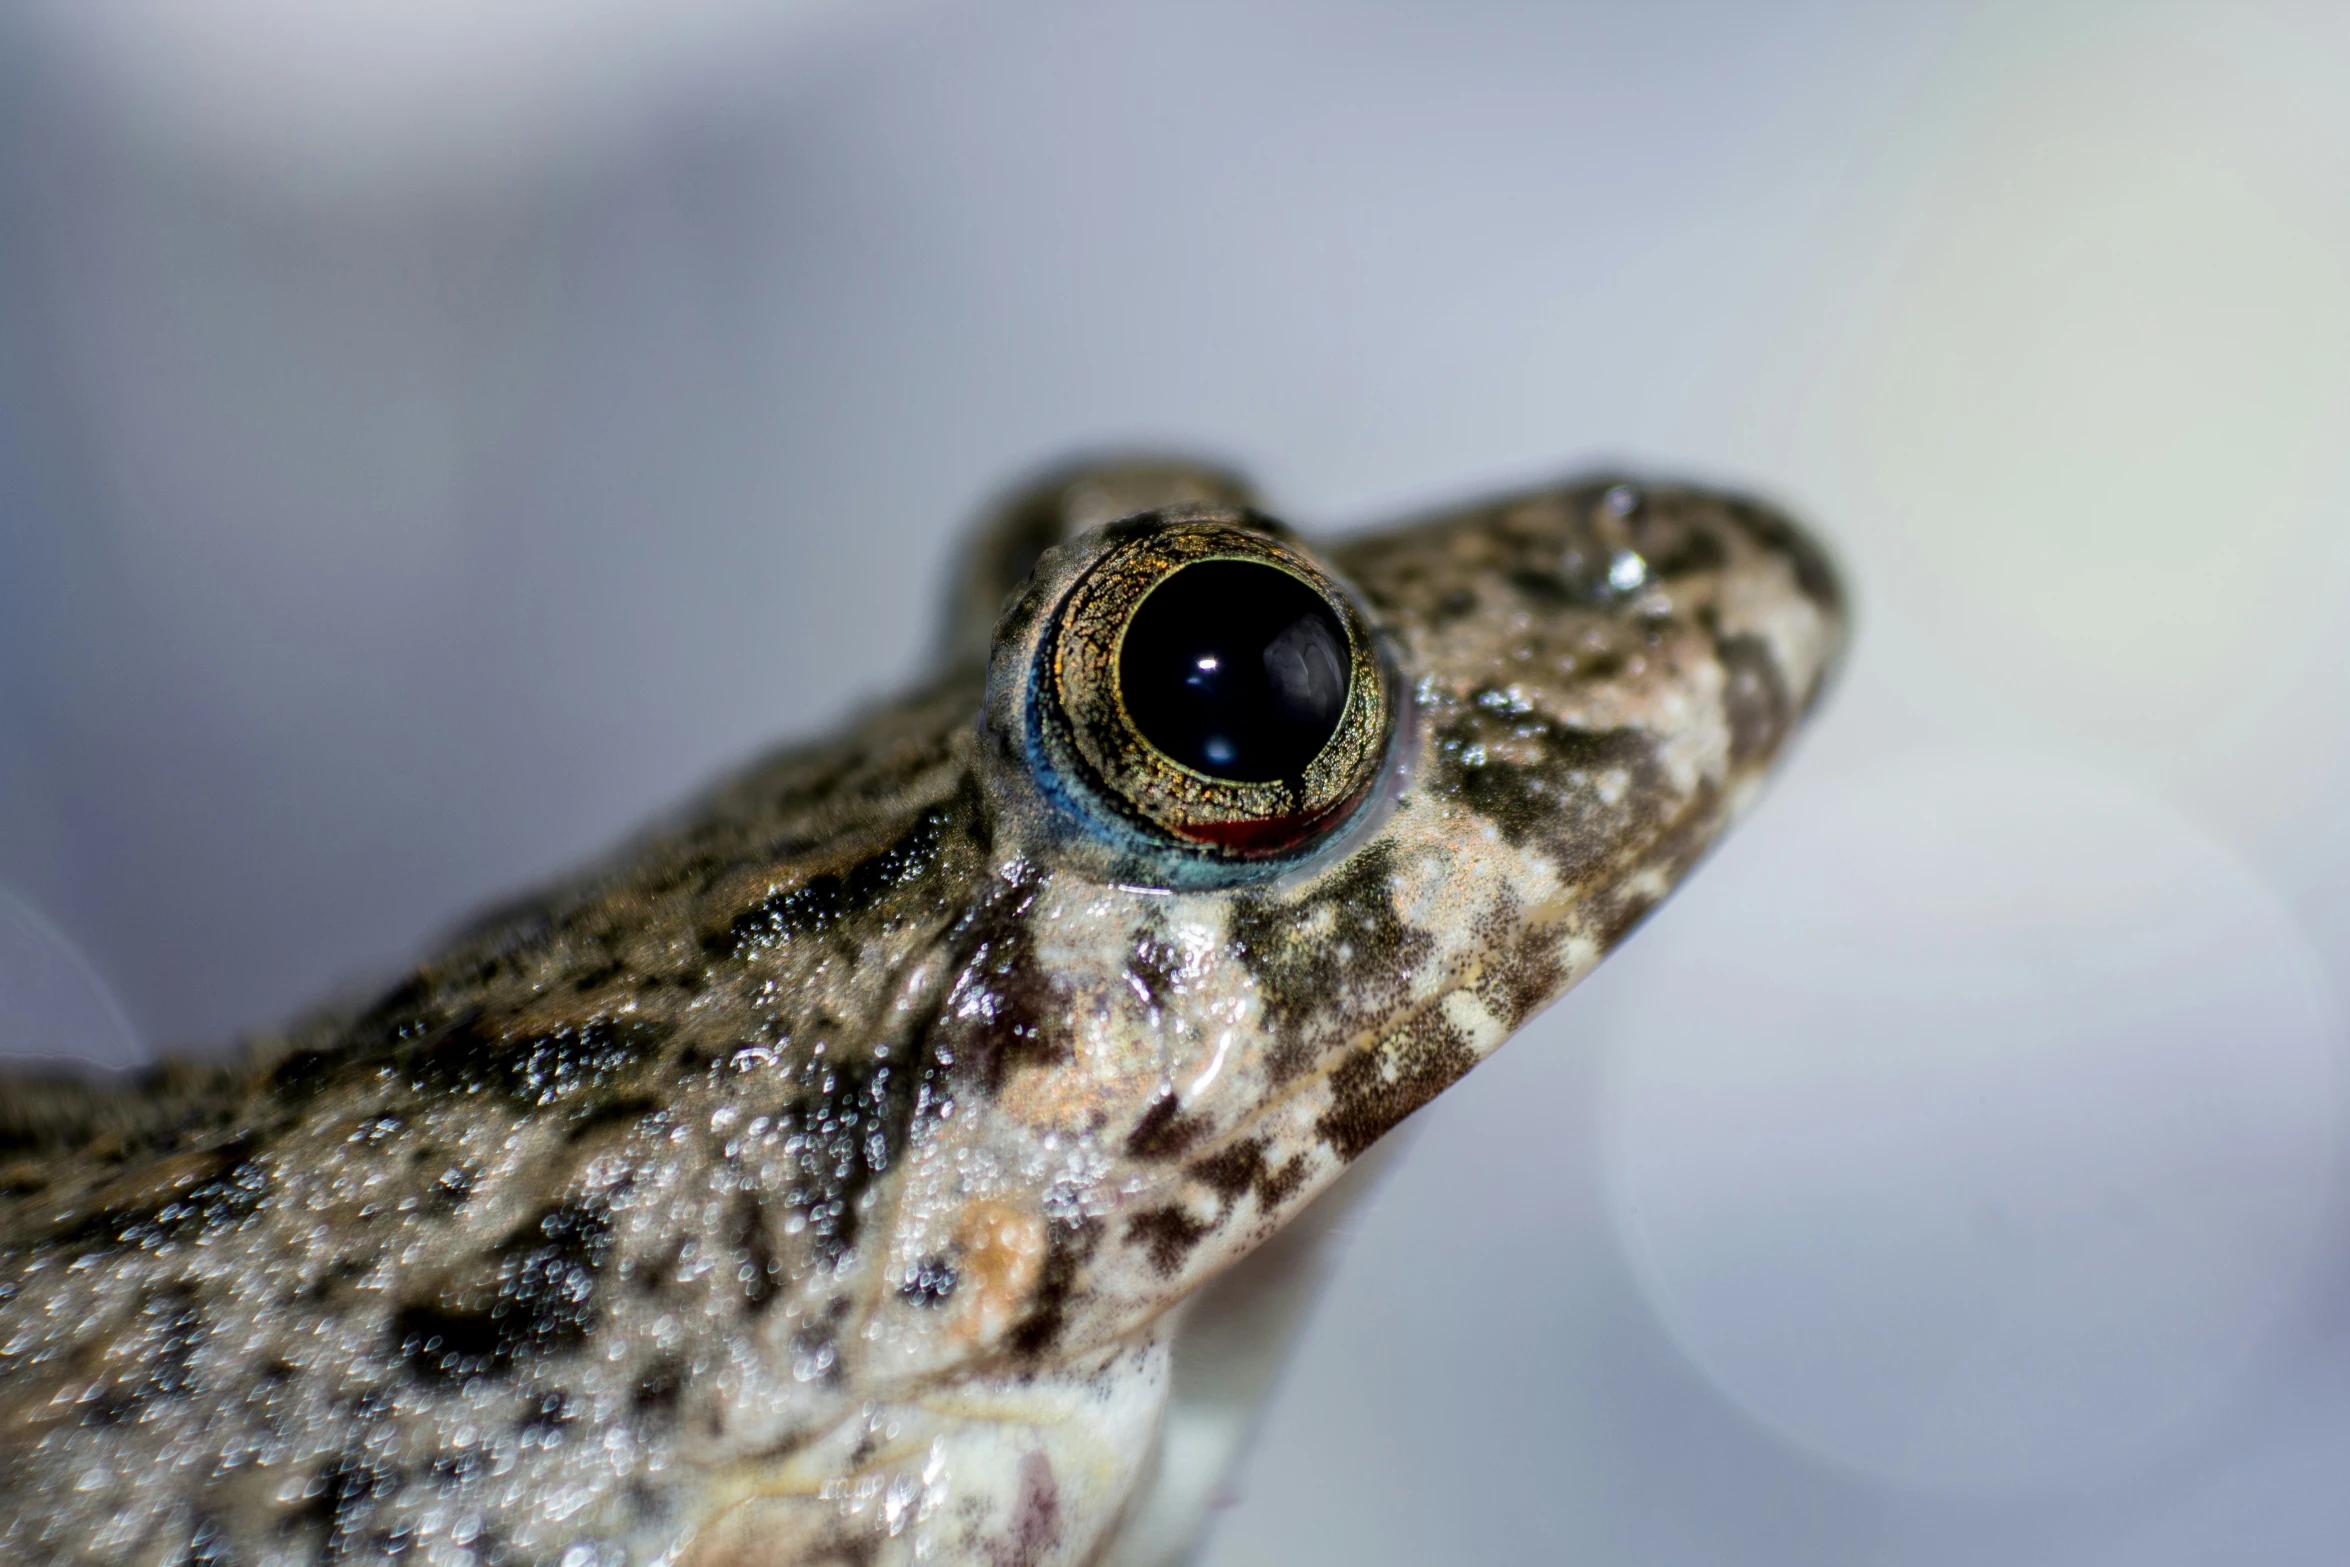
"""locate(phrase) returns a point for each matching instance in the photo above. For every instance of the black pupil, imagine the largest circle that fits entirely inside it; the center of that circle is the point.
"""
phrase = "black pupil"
(1236, 670)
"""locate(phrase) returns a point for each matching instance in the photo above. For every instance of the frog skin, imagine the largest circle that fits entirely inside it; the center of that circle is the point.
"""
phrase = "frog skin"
(817, 1182)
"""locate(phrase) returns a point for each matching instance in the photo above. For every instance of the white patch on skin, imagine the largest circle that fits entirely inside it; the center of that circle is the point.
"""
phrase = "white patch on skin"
(1477, 1024)
(1765, 602)
(1023, 1467)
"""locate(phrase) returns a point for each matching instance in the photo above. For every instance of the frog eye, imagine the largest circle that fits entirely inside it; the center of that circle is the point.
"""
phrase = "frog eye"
(1236, 670)
(1203, 685)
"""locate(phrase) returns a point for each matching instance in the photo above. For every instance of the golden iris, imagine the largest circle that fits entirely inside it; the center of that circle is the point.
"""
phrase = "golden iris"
(1219, 685)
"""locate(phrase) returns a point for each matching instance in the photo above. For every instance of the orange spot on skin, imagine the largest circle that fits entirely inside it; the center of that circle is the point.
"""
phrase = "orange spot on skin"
(999, 1254)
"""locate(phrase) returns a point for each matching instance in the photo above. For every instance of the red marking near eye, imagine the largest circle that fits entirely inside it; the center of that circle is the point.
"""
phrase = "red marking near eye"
(1273, 834)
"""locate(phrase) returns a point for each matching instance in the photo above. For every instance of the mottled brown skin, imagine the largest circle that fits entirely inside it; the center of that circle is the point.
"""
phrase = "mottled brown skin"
(814, 1183)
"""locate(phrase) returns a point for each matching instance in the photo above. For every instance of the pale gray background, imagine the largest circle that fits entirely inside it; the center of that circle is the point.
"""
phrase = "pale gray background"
(434, 435)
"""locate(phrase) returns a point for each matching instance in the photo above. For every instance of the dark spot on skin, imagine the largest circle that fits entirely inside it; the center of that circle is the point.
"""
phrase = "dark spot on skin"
(544, 1301)
(857, 1550)
(758, 1268)
(1452, 605)
(597, 978)
(933, 1283)
(1813, 572)
(450, 1346)
(404, 1015)
(818, 1341)
(824, 900)
(302, 1073)
(1069, 1245)
(645, 1504)
(1164, 1130)
(844, 1130)
(1521, 971)
(1546, 588)
(551, 1285)
(332, 1281)
(657, 1391)
(1674, 851)
(1676, 544)
(1544, 784)
(537, 1070)
(999, 1013)
(655, 1277)
(791, 1442)
(1379, 1085)
(1600, 666)
(1169, 1234)
(337, 1502)
(1754, 698)
(391, 1011)
(112, 1407)
(1234, 1172)
(1331, 962)
(801, 804)
(222, 1191)
(611, 1112)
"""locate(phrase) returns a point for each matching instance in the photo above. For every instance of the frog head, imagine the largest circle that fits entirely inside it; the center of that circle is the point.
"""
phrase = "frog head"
(1283, 839)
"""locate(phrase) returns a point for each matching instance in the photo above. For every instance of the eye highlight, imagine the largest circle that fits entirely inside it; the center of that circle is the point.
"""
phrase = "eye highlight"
(1203, 686)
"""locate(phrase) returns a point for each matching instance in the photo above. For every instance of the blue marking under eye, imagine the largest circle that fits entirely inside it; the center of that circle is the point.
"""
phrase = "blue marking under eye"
(1077, 809)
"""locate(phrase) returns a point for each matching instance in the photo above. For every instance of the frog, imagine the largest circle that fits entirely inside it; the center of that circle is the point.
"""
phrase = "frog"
(824, 1176)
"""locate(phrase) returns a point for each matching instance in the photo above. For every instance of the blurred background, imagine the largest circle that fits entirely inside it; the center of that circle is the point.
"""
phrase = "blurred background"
(434, 435)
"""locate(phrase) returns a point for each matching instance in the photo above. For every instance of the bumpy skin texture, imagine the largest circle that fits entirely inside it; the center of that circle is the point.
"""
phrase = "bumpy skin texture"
(812, 1184)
